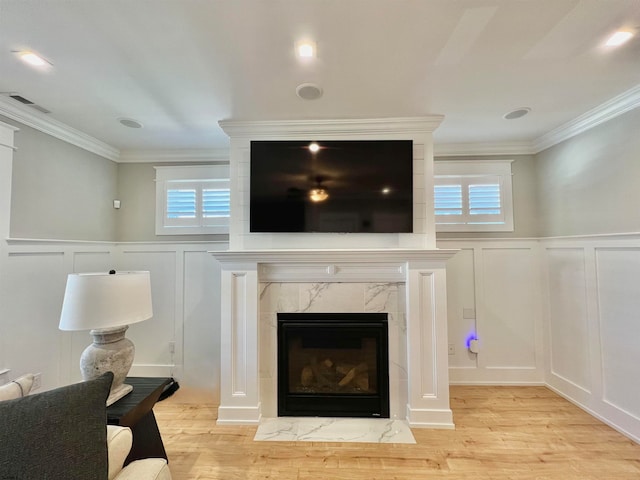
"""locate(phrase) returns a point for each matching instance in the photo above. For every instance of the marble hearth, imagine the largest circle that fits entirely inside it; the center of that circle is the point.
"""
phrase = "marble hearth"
(408, 284)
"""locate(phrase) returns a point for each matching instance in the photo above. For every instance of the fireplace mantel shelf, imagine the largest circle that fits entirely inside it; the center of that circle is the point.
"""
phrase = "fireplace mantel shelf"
(347, 265)
(333, 255)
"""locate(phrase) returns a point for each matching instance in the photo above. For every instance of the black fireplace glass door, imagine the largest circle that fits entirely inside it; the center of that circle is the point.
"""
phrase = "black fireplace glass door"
(327, 362)
(333, 365)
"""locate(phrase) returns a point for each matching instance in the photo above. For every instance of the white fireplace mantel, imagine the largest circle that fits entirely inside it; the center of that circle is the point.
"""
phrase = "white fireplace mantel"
(422, 271)
(407, 263)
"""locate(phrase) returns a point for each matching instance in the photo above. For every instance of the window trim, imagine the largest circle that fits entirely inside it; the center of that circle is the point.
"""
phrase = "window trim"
(199, 176)
(478, 168)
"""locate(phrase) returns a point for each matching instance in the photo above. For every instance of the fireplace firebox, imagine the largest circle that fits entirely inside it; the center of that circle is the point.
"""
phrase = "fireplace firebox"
(333, 364)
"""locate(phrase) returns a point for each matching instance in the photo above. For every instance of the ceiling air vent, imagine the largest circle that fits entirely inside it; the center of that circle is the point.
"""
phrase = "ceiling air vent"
(21, 99)
(29, 103)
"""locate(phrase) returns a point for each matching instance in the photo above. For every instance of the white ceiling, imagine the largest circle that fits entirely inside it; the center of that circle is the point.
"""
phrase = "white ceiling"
(180, 66)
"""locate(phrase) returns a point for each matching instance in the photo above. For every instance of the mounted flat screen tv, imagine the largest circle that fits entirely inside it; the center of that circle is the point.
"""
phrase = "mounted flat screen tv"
(332, 186)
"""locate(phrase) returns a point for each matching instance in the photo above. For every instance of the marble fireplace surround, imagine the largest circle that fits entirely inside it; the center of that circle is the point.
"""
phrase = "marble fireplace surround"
(409, 284)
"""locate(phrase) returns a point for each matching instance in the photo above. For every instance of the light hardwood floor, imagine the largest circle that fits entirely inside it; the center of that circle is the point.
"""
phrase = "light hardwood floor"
(501, 433)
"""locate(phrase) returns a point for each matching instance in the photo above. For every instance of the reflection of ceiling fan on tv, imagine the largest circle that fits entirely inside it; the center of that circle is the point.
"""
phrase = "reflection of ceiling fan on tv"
(318, 193)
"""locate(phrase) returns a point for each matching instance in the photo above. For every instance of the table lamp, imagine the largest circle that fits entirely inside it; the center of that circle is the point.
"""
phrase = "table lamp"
(106, 304)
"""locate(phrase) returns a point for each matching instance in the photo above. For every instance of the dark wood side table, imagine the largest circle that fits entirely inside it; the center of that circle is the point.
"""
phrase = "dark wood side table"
(136, 412)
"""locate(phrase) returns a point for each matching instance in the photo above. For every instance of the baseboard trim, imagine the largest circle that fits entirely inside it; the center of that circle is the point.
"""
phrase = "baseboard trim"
(239, 415)
(593, 413)
(430, 418)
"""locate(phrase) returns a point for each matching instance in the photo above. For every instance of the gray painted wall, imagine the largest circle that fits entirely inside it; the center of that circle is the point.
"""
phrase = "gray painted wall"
(525, 210)
(136, 190)
(137, 217)
(63, 192)
(584, 185)
(590, 184)
(60, 191)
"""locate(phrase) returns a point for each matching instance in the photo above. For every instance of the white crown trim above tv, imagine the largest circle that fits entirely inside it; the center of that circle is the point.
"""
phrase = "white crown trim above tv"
(338, 129)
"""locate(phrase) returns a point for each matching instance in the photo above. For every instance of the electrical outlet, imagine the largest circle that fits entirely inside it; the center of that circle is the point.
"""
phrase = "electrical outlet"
(468, 313)
(172, 347)
(37, 381)
(452, 349)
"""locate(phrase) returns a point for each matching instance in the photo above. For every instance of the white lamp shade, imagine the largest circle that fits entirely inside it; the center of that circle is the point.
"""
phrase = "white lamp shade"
(103, 300)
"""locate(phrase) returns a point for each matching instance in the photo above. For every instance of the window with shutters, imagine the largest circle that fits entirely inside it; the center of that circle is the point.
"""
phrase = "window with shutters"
(192, 200)
(473, 196)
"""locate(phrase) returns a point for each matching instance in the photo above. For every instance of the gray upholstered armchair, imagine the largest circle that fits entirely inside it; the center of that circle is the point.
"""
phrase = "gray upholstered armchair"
(62, 433)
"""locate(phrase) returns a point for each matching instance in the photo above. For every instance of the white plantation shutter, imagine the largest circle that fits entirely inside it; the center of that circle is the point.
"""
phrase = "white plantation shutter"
(473, 196)
(484, 198)
(448, 199)
(190, 201)
(215, 202)
(181, 203)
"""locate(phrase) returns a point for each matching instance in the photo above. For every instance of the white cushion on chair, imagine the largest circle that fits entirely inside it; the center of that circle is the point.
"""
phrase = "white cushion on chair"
(119, 441)
(17, 388)
(146, 469)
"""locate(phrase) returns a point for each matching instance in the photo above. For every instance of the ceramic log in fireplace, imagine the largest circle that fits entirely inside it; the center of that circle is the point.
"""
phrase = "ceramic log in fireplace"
(333, 365)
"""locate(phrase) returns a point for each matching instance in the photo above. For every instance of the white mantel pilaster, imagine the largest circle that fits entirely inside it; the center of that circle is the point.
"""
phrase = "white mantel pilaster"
(424, 273)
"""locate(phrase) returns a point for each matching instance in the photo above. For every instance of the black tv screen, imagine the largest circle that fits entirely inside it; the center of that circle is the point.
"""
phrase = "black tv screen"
(342, 186)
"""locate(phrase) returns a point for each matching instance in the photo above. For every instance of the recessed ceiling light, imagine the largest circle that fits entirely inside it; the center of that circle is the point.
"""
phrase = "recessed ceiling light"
(314, 147)
(130, 122)
(33, 59)
(309, 91)
(306, 49)
(517, 113)
(618, 38)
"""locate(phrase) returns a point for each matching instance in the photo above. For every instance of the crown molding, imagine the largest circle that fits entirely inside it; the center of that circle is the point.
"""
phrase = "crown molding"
(609, 110)
(329, 128)
(469, 149)
(177, 156)
(57, 129)
(306, 129)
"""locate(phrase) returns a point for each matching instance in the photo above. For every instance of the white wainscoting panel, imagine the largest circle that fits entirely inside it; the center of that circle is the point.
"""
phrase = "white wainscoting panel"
(593, 299)
(508, 309)
(153, 337)
(619, 301)
(568, 340)
(496, 285)
(585, 289)
(186, 297)
(32, 312)
(201, 323)
(36, 275)
(182, 339)
(461, 308)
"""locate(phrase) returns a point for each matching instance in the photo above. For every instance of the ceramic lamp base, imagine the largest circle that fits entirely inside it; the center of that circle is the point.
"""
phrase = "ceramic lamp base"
(118, 393)
(109, 352)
